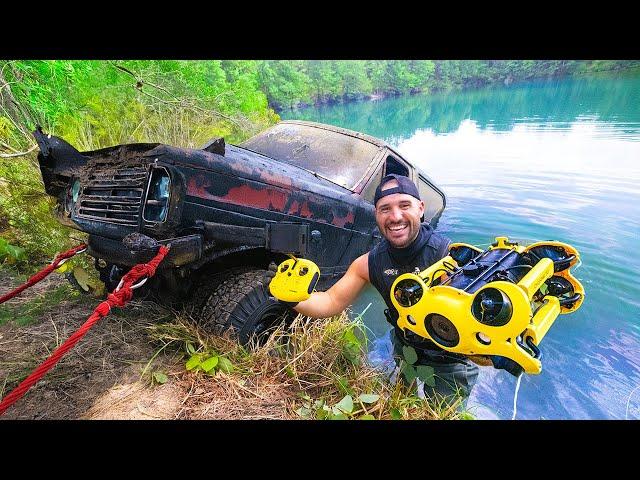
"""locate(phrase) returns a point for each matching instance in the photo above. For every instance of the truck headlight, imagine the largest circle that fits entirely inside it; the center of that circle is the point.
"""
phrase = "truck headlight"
(71, 196)
(156, 204)
(75, 190)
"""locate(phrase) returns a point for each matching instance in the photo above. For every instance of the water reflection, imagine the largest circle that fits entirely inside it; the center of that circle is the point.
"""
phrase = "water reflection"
(548, 104)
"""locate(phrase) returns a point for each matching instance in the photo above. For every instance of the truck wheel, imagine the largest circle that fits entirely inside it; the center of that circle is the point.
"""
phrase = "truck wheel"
(242, 303)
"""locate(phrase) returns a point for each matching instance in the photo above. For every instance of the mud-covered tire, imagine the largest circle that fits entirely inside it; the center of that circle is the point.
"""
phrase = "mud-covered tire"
(239, 301)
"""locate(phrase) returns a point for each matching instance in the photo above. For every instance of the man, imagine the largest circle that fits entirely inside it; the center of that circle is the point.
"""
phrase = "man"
(408, 246)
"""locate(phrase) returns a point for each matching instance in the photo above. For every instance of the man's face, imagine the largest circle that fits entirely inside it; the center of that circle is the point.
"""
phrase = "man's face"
(398, 217)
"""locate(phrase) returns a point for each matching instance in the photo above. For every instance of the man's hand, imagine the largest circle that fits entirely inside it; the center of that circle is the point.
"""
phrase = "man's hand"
(271, 272)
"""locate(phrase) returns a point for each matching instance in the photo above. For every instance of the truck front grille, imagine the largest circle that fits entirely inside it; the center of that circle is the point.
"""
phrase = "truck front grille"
(113, 194)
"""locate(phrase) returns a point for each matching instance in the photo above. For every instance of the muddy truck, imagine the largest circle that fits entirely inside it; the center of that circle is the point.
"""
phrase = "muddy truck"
(228, 211)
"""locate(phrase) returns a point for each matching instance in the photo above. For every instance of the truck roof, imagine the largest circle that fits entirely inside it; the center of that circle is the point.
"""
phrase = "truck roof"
(343, 131)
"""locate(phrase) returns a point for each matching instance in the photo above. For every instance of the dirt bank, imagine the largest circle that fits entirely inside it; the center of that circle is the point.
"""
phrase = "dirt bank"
(100, 378)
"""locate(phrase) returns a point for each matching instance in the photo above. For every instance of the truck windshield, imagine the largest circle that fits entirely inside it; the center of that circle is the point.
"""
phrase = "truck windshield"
(340, 158)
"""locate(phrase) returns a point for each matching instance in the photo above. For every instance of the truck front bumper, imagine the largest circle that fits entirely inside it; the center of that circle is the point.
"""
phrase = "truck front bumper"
(183, 250)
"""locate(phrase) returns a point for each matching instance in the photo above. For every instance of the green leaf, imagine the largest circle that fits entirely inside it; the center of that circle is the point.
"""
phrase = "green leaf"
(368, 397)
(352, 353)
(466, 416)
(409, 372)
(350, 338)
(225, 365)
(368, 416)
(160, 377)
(16, 252)
(304, 412)
(343, 385)
(12, 252)
(409, 354)
(209, 364)
(346, 404)
(356, 361)
(322, 414)
(339, 416)
(82, 277)
(193, 362)
(190, 348)
(425, 373)
(395, 414)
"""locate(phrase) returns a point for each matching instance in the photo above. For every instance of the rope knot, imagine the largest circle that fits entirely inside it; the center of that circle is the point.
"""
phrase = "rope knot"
(121, 297)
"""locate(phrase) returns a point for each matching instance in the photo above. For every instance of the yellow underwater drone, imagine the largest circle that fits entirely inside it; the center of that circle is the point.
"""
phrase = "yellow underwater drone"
(497, 304)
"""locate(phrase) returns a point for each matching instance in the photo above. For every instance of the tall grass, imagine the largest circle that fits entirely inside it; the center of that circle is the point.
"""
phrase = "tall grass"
(315, 369)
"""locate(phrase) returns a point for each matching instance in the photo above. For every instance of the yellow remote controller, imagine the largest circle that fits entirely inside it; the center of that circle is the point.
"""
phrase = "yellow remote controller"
(295, 280)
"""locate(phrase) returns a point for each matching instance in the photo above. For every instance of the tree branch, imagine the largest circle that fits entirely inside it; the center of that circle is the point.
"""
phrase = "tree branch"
(19, 154)
(9, 147)
(126, 70)
(8, 104)
(140, 83)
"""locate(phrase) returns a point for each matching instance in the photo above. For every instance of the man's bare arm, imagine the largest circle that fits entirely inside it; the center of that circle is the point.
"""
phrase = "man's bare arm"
(341, 295)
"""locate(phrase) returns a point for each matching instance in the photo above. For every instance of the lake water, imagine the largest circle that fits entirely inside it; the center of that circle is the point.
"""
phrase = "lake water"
(551, 159)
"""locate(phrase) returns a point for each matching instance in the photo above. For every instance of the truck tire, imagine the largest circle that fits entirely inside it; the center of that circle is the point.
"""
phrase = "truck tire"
(240, 303)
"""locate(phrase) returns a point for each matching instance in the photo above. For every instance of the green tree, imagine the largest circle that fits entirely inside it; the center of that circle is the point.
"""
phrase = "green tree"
(285, 83)
(325, 80)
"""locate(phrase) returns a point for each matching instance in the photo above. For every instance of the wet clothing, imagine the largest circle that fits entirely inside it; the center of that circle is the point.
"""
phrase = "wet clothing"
(386, 263)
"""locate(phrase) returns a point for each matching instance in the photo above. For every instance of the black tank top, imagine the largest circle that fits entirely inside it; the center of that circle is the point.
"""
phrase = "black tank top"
(386, 263)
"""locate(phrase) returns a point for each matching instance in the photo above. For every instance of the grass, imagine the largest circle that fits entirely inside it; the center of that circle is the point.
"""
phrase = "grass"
(317, 369)
(25, 312)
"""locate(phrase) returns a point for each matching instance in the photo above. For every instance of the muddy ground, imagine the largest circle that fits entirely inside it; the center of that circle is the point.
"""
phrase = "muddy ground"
(100, 378)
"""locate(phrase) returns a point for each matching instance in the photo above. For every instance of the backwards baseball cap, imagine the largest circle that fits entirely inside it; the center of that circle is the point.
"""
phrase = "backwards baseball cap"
(405, 185)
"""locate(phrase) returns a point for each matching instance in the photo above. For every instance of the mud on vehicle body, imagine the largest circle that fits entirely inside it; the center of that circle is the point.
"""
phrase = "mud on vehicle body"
(228, 211)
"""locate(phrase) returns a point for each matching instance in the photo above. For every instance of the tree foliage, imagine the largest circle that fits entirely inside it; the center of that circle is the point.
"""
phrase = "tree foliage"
(290, 84)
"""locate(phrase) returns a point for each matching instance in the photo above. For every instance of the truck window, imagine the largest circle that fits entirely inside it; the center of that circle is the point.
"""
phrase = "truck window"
(433, 199)
(394, 166)
(370, 190)
(340, 158)
(391, 165)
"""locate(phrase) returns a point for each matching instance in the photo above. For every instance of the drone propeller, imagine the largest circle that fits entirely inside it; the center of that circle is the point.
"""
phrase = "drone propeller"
(492, 307)
(561, 259)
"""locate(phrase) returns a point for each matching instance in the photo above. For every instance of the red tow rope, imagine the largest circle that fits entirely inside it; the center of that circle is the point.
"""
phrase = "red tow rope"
(59, 260)
(119, 297)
